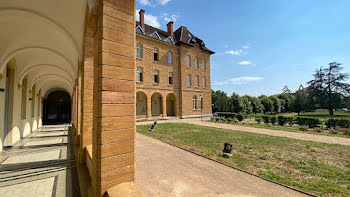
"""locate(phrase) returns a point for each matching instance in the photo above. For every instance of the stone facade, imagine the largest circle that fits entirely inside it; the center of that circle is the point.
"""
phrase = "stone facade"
(181, 94)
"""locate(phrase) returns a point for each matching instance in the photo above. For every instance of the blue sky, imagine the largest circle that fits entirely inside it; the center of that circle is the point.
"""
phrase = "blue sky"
(261, 45)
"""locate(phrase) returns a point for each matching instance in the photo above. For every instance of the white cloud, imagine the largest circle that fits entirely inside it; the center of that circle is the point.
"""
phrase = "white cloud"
(163, 2)
(232, 52)
(149, 19)
(238, 80)
(168, 18)
(246, 47)
(145, 2)
(245, 62)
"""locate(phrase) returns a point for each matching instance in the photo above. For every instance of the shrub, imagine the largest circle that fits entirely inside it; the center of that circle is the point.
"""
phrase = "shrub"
(239, 117)
(311, 122)
(332, 131)
(290, 120)
(346, 131)
(342, 123)
(273, 120)
(318, 130)
(282, 120)
(266, 119)
(303, 128)
(258, 119)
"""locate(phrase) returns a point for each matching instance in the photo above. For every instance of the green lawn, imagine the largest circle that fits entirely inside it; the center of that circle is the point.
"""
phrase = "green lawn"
(286, 128)
(322, 169)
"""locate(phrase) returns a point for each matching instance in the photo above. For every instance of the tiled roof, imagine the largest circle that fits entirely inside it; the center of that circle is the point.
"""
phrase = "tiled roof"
(181, 35)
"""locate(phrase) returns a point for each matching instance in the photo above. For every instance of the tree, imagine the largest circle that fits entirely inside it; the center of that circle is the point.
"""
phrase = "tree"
(286, 90)
(235, 104)
(328, 87)
(256, 105)
(219, 100)
(247, 104)
(287, 98)
(267, 103)
(299, 103)
(276, 104)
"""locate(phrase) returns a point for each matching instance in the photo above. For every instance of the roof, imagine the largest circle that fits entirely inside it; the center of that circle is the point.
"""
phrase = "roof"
(181, 35)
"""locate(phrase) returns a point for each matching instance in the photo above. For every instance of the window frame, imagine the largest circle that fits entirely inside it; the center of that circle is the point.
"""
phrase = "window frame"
(196, 81)
(170, 78)
(170, 54)
(156, 76)
(196, 63)
(155, 51)
(141, 50)
(139, 74)
(194, 102)
(189, 80)
(204, 66)
(188, 61)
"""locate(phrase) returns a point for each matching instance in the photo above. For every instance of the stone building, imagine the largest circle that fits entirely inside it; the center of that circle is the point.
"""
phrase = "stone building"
(173, 72)
(75, 61)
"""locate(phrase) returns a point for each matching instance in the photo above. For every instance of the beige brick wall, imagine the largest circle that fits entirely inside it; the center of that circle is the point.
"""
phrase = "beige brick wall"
(179, 69)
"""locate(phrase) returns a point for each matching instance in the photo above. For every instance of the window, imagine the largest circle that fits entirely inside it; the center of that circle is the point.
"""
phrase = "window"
(196, 63)
(204, 82)
(196, 81)
(139, 74)
(170, 78)
(188, 80)
(200, 103)
(156, 76)
(155, 35)
(139, 50)
(24, 99)
(203, 65)
(188, 61)
(194, 102)
(170, 58)
(139, 30)
(155, 54)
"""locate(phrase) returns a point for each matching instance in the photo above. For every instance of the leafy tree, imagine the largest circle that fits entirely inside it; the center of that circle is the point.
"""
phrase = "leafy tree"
(247, 104)
(257, 107)
(347, 103)
(219, 100)
(267, 103)
(235, 104)
(286, 90)
(328, 87)
(300, 101)
(276, 104)
(287, 98)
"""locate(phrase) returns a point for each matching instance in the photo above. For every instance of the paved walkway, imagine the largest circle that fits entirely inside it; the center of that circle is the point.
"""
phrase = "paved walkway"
(40, 165)
(294, 135)
(164, 170)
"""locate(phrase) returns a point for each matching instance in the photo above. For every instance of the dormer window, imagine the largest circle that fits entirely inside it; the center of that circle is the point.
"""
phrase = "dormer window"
(169, 40)
(139, 30)
(155, 35)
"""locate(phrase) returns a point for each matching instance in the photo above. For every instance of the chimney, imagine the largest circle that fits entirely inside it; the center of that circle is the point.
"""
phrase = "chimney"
(142, 18)
(170, 29)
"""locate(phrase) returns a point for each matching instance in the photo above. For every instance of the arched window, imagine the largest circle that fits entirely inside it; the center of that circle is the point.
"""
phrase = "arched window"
(170, 58)
(139, 74)
(156, 76)
(194, 102)
(139, 50)
(170, 78)
(204, 82)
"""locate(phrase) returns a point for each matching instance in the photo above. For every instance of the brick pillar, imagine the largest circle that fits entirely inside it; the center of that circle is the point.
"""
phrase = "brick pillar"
(87, 87)
(164, 106)
(149, 106)
(114, 116)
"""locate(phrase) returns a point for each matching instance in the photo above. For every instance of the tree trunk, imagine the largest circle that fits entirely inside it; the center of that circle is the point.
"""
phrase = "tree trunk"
(298, 113)
(331, 111)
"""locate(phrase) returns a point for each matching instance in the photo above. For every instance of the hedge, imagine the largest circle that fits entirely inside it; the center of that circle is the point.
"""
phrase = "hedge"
(239, 117)
(311, 122)
(342, 123)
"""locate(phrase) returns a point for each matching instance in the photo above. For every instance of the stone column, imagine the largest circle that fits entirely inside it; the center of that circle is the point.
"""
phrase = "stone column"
(113, 147)
(164, 106)
(149, 106)
(87, 86)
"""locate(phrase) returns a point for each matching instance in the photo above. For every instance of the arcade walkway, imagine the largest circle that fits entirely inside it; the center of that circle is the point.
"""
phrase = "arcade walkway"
(42, 164)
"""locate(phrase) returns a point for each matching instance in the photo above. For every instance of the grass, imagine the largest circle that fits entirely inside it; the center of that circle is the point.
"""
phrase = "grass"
(286, 128)
(318, 168)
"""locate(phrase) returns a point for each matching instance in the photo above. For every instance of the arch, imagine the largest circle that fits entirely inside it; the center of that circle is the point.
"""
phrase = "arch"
(31, 68)
(37, 78)
(141, 104)
(37, 16)
(57, 108)
(156, 104)
(60, 83)
(55, 86)
(54, 89)
(20, 51)
(194, 102)
(171, 104)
